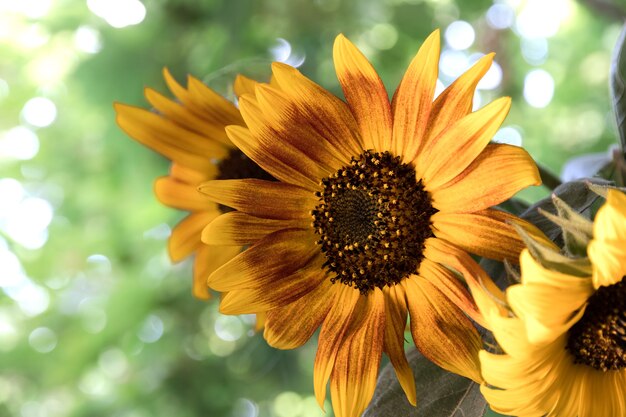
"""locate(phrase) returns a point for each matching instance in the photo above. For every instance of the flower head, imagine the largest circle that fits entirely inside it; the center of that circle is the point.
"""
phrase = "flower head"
(189, 131)
(375, 200)
(565, 346)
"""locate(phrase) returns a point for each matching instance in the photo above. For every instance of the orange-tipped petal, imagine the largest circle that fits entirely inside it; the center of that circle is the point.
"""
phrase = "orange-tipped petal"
(413, 99)
(353, 379)
(365, 93)
(441, 331)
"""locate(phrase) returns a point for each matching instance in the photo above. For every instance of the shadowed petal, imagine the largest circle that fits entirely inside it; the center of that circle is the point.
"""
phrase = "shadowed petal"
(365, 93)
(208, 259)
(324, 112)
(276, 292)
(275, 143)
(441, 331)
(395, 324)
(185, 237)
(450, 286)
(240, 229)
(275, 161)
(293, 325)
(353, 379)
(284, 118)
(182, 196)
(259, 198)
(276, 255)
(331, 337)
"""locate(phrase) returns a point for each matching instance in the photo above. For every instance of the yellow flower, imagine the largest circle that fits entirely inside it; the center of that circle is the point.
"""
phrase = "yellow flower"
(189, 131)
(373, 198)
(565, 347)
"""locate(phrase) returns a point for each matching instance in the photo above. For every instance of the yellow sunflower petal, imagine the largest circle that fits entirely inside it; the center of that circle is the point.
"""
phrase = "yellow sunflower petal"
(547, 311)
(353, 378)
(448, 284)
(191, 176)
(266, 155)
(208, 259)
(329, 115)
(172, 142)
(395, 324)
(413, 99)
(494, 176)
(185, 238)
(441, 331)
(185, 118)
(365, 93)
(331, 336)
(258, 198)
(456, 101)
(240, 229)
(607, 250)
(609, 261)
(273, 143)
(293, 325)
(283, 116)
(504, 371)
(485, 233)
(182, 196)
(279, 291)
(290, 249)
(534, 273)
(244, 85)
(455, 149)
(211, 105)
(487, 295)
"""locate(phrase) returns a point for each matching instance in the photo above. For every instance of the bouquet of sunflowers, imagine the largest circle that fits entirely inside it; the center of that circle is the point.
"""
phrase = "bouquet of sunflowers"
(386, 222)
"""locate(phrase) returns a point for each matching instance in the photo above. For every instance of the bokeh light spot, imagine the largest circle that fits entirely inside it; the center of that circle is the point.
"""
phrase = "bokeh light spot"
(152, 329)
(500, 16)
(509, 135)
(19, 143)
(87, 39)
(229, 328)
(43, 340)
(39, 111)
(538, 88)
(460, 35)
(382, 36)
(492, 78)
(118, 13)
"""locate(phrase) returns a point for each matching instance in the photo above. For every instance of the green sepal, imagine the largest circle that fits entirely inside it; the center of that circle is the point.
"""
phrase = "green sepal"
(552, 259)
(577, 230)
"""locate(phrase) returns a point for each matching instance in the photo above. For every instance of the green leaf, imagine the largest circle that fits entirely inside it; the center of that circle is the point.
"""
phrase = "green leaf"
(618, 86)
(439, 393)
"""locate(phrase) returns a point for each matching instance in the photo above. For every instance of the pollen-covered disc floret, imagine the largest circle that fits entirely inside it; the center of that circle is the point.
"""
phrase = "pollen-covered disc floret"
(373, 217)
(598, 339)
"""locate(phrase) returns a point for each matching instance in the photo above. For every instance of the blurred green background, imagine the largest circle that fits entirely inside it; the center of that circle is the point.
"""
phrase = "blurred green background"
(94, 320)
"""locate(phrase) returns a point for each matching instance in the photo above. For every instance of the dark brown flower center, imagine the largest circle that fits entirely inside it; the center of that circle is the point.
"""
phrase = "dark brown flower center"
(373, 217)
(598, 339)
(238, 166)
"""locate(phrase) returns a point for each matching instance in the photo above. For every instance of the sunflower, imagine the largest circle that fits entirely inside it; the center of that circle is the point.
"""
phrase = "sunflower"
(374, 200)
(189, 131)
(565, 346)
